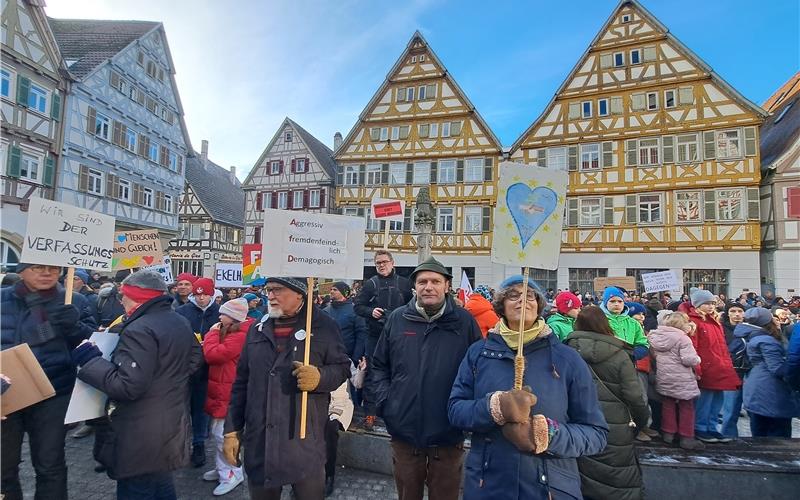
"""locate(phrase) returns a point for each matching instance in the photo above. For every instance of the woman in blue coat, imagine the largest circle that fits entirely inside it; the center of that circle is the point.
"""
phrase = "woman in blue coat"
(524, 446)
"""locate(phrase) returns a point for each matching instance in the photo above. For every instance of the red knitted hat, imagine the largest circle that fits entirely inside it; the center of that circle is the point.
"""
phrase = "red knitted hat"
(203, 286)
(566, 301)
(191, 278)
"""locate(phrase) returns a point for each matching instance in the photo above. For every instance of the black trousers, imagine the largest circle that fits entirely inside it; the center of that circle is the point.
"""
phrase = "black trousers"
(368, 392)
(44, 424)
(332, 428)
(310, 488)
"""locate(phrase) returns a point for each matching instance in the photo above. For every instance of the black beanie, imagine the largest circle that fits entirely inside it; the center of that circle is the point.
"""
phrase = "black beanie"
(342, 287)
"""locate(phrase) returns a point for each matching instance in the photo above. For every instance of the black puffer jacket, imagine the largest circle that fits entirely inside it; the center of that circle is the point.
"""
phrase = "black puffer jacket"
(146, 382)
(389, 293)
(613, 473)
(413, 370)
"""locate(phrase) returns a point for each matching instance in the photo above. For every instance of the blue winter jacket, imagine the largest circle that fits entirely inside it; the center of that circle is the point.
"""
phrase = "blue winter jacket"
(765, 392)
(561, 380)
(17, 325)
(352, 326)
(791, 369)
(201, 321)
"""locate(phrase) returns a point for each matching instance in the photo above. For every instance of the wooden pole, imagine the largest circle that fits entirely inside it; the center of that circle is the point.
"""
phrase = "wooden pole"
(386, 235)
(68, 282)
(519, 360)
(306, 356)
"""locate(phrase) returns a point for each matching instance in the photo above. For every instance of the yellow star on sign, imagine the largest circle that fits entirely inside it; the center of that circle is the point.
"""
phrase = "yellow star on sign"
(509, 225)
(536, 243)
(561, 199)
(521, 255)
(533, 183)
(516, 178)
(503, 210)
(549, 184)
(515, 240)
(546, 228)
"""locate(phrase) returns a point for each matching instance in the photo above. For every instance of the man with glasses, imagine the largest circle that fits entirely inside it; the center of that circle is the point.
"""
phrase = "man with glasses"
(379, 296)
(34, 313)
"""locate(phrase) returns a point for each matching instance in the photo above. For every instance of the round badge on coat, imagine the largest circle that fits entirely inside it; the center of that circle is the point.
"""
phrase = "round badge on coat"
(300, 334)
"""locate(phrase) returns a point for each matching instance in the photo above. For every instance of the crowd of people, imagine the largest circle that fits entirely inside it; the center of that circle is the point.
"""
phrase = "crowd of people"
(434, 365)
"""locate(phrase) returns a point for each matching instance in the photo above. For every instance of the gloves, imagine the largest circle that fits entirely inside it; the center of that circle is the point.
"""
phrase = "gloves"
(66, 316)
(515, 405)
(307, 376)
(230, 448)
(529, 437)
(84, 353)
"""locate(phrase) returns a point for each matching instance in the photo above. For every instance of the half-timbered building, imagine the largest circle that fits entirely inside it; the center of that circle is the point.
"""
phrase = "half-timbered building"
(780, 190)
(211, 218)
(31, 102)
(295, 171)
(663, 162)
(125, 141)
(420, 129)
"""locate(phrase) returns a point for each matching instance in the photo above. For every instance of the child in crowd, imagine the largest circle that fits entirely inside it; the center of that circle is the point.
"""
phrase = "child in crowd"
(637, 311)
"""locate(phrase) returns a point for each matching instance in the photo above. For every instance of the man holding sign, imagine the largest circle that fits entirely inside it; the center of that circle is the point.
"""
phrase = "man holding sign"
(34, 313)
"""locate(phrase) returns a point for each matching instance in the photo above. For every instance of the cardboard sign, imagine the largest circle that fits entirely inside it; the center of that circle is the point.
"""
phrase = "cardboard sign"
(137, 249)
(87, 402)
(313, 245)
(29, 384)
(228, 275)
(626, 282)
(164, 269)
(63, 235)
(388, 209)
(528, 216)
(251, 263)
(663, 281)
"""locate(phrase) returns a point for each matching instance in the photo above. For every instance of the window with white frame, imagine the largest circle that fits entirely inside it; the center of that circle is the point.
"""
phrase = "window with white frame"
(410, 94)
(283, 200)
(669, 99)
(444, 219)
(351, 211)
(313, 198)
(619, 59)
(447, 172)
(287, 136)
(586, 109)
(602, 107)
(37, 98)
(374, 133)
(688, 206)
(372, 224)
(5, 83)
(422, 172)
(102, 126)
(374, 174)
(147, 197)
(95, 184)
(395, 135)
(590, 156)
(590, 212)
(152, 151)
(649, 208)
(297, 199)
(266, 200)
(274, 167)
(351, 175)
(648, 151)
(300, 165)
(728, 144)
(652, 101)
(473, 219)
(473, 170)
(384, 134)
(395, 226)
(30, 167)
(130, 140)
(421, 93)
(729, 204)
(433, 130)
(687, 148)
(168, 203)
(446, 129)
(557, 158)
(636, 56)
(124, 190)
(397, 173)
(173, 161)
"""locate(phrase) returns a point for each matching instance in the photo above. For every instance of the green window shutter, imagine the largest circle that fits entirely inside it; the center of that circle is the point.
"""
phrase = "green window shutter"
(541, 157)
(55, 107)
(488, 170)
(110, 191)
(608, 210)
(13, 162)
(753, 204)
(339, 174)
(572, 211)
(572, 156)
(710, 197)
(668, 149)
(460, 171)
(83, 178)
(385, 173)
(409, 173)
(631, 209)
(487, 219)
(709, 147)
(631, 153)
(23, 89)
(49, 170)
(608, 154)
(749, 141)
(434, 168)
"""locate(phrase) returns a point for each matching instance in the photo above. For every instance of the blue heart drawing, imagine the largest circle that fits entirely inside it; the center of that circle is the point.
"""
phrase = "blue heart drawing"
(122, 238)
(530, 208)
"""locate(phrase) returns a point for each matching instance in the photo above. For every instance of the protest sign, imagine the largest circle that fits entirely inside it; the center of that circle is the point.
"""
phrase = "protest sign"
(87, 402)
(29, 384)
(251, 263)
(528, 216)
(662, 281)
(137, 249)
(311, 244)
(626, 282)
(228, 275)
(388, 209)
(63, 235)
(164, 269)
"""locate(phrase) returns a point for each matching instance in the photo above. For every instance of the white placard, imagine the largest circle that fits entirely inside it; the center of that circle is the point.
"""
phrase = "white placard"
(388, 209)
(87, 402)
(63, 235)
(165, 270)
(313, 245)
(662, 281)
(228, 275)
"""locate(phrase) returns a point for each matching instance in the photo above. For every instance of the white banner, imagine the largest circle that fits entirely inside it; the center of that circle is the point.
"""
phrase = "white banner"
(63, 235)
(228, 275)
(313, 245)
(663, 281)
(87, 402)
(165, 269)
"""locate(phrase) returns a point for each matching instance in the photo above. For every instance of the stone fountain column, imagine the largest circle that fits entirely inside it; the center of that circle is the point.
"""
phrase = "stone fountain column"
(424, 220)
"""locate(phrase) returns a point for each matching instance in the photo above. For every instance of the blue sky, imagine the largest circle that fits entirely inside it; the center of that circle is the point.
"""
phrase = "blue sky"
(243, 65)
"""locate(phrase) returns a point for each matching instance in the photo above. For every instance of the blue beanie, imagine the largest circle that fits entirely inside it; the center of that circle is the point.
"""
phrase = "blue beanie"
(83, 275)
(249, 296)
(634, 308)
(517, 280)
(758, 316)
(612, 291)
(699, 297)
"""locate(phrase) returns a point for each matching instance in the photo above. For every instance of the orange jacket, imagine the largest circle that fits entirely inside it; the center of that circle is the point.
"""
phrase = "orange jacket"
(481, 309)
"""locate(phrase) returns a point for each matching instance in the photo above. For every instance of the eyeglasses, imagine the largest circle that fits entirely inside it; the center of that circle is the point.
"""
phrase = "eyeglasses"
(379, 263)
(515, 296)
(275, 290)
(45, 269)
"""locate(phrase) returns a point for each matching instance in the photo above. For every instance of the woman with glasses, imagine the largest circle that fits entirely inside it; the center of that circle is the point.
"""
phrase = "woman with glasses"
(525, 442)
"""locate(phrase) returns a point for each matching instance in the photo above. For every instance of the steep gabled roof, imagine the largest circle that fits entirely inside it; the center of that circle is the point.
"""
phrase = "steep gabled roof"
(92, 42)
(386, 82)
(780, 132)
(220, 195)
(783, 94)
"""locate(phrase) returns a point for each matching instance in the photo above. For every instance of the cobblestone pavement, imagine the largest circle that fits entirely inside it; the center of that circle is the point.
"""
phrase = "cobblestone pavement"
(86, 484)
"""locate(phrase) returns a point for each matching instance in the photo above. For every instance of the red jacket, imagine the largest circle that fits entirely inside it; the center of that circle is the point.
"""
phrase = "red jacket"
(481, 309)
(715, 371)
(222, 359)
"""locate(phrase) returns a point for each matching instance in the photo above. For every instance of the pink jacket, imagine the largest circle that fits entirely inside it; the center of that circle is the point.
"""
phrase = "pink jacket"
(675, 356)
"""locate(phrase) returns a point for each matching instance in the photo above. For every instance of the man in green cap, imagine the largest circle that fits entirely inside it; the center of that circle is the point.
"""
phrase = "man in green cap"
(413, 369)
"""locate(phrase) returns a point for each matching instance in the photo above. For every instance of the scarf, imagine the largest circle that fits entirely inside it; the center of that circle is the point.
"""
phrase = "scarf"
(430, 316)
(37, 303)
(511, 337)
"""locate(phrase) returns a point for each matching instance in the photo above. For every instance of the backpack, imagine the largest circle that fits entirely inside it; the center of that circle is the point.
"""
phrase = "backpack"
(738, 351)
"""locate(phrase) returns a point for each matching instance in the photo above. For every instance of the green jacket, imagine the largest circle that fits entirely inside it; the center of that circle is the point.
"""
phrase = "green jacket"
(561, 325)
(626, 328)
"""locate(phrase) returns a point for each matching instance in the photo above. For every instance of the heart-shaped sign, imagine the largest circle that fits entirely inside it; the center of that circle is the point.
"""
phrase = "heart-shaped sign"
(148, 259)
(121, 238)
(529, 208)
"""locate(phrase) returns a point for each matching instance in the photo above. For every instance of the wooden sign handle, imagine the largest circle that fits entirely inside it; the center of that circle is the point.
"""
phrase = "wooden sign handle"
(306, 356)
(386, 235)
(519, 361)
(68, 282)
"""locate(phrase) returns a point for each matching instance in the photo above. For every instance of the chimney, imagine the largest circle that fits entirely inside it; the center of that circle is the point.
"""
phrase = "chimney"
(337, 140)
(204, 152)
(233, 174)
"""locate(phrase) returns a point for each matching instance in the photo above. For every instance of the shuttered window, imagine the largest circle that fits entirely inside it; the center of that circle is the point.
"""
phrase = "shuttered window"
(753, 204)
(750, 142)
(668, 149)
(608, 154)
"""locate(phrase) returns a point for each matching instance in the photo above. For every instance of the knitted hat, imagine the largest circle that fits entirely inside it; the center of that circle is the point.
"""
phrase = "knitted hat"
(484, 291)
(203, 286)
(654, 303)
(674, 305)
(236, 309)
(147, 279)
(296, 284)
(662, 315)
(699, 297)
(634, 308)
(734, 305)
(83, 275)
(249, 296)
(566, 301)
(191, 278)
(21, 266)
(517, 280)
(612, 291)
(432, 265)
(758, 316)
(121, 275)
(343, 288)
